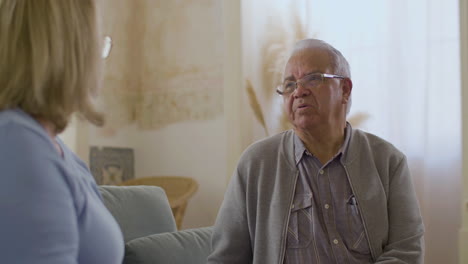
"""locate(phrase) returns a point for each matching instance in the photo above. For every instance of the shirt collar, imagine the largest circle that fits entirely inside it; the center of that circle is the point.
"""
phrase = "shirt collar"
(344, 148)
(300, 149)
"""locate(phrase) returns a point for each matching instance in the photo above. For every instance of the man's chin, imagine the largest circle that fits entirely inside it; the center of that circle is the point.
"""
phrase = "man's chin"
(305, 125)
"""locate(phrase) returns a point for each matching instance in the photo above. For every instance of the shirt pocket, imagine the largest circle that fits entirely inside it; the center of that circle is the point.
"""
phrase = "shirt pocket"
(300, 226)
(356, 238)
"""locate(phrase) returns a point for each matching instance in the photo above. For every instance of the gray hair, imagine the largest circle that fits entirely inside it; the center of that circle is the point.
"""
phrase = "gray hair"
(338, 62)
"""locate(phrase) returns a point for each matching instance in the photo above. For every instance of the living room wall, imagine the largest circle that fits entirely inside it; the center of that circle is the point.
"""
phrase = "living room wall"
(191, 149)
(208, 149)
(180, 122)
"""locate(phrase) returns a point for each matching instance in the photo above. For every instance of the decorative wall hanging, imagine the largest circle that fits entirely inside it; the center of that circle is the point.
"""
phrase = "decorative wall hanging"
(166, 65)
(110, 165)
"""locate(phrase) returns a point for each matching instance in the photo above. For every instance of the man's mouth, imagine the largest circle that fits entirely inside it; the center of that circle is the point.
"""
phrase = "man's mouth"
(303, 106)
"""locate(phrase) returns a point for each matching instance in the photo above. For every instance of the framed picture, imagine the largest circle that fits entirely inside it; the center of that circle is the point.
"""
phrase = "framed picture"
(111, 165)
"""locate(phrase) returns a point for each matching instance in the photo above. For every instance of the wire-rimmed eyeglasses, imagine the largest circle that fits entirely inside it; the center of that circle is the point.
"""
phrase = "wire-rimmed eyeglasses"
(309, 81)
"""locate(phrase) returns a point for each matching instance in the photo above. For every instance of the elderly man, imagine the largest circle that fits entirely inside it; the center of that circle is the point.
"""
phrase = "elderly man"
(322, 192)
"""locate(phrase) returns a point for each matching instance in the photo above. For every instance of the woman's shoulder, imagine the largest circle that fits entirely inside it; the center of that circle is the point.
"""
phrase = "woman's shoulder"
(18, 129)
(28, 159)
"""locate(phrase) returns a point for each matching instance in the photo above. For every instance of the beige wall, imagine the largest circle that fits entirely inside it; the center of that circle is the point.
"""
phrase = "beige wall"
(237, 128)
(206, 150)
(191, 149)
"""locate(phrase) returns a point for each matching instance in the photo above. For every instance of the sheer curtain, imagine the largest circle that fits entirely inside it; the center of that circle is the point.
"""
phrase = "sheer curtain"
(404, 58)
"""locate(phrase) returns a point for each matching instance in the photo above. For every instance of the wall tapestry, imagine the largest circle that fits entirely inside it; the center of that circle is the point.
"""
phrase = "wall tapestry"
(166, 64)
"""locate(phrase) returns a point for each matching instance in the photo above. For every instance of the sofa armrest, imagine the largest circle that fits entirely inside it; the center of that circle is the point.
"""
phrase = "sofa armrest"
(188, 246)
(139, 210)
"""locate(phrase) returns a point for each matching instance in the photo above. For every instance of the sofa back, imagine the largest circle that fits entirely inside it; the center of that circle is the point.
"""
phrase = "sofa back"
(190, 246)
(139, 210)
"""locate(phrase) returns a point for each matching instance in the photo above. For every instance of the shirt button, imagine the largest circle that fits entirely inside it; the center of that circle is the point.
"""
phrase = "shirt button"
(327, 206)
(335, 241)
(321, 171)
(292, 206)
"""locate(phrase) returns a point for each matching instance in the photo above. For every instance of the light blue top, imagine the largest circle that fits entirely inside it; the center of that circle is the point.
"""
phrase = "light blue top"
(51, 210)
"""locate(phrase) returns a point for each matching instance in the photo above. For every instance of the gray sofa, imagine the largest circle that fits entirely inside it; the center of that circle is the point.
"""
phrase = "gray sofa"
(149, 228)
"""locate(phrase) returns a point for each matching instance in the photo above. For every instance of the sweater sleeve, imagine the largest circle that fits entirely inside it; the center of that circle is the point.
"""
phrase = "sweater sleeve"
(405, 234)
(231, 238)
(38, 222)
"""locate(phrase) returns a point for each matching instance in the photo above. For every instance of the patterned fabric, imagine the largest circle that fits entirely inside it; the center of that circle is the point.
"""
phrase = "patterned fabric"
(325, 225)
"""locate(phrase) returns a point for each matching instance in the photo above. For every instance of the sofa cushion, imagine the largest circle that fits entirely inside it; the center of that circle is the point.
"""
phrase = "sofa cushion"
(139, 210)
(188, 246)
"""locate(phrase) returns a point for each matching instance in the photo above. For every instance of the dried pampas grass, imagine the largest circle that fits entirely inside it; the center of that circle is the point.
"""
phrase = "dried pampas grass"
(278, 43)
(255, 105)
(358, 118)
(275, 50)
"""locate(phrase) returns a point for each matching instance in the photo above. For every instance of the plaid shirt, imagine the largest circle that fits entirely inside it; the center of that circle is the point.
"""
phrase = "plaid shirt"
(325, 224)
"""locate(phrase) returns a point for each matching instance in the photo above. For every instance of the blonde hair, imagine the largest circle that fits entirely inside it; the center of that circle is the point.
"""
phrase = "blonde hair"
(50, 59)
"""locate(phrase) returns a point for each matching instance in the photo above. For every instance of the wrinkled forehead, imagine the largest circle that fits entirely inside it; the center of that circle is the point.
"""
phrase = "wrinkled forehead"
(308, 61)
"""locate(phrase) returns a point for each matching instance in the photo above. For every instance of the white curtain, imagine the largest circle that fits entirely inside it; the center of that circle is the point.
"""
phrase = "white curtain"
(404, 58)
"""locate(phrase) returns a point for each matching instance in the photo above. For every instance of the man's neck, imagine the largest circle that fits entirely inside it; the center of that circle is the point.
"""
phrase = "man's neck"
(324, 141)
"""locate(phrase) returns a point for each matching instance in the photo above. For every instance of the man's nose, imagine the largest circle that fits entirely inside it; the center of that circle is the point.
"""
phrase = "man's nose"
(301, 91)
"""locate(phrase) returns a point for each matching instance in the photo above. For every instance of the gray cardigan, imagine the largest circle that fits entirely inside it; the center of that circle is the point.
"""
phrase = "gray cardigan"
(252, 222)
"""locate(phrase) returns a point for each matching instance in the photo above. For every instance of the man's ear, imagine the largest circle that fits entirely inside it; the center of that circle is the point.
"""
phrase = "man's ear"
(347, 86)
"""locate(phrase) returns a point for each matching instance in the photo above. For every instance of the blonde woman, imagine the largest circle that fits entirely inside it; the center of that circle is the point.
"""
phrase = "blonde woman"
(51, 210)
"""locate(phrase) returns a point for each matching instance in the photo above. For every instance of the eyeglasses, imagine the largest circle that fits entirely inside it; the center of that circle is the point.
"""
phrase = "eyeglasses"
(309, 82)
(106, 47)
